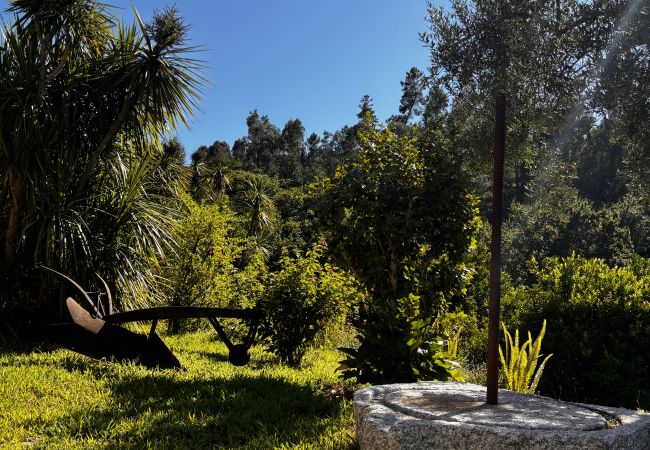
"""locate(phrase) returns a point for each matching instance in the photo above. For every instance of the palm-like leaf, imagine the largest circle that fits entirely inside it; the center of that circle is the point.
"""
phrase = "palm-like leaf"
(172, 81)
(80, 156)
(519, 363)
(260, 206)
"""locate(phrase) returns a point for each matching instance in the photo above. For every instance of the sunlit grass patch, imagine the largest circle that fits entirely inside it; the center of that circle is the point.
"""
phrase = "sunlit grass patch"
(62, 400)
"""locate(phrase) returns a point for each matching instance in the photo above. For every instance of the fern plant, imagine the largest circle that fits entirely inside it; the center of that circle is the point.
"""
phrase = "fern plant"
(519, 363)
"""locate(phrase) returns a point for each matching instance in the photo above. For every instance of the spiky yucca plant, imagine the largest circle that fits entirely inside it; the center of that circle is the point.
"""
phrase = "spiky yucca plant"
(519, 363)
(85, 104)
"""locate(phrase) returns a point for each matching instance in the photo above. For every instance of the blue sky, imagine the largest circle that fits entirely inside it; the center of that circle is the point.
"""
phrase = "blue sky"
(305, 59)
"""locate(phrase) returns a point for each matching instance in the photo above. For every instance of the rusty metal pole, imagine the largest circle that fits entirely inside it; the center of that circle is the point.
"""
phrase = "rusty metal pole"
(495, 248)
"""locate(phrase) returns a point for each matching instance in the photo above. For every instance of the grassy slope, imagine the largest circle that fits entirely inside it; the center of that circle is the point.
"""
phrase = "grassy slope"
(63, 400)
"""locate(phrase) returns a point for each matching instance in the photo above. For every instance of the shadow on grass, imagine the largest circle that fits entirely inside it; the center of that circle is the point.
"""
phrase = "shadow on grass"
(14, 348)
(162, 410)
(212, 356)
(257, 361)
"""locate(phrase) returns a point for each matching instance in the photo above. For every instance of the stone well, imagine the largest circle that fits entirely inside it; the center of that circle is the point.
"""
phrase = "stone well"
(436, 415)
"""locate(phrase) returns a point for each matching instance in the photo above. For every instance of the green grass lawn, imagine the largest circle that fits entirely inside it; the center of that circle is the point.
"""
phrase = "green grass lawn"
(63, 400)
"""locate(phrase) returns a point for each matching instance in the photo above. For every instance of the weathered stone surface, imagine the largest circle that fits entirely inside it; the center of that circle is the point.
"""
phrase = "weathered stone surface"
(435, 415)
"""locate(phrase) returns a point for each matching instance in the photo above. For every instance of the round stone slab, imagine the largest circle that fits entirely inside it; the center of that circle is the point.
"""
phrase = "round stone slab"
(465, 403)
(435, 415)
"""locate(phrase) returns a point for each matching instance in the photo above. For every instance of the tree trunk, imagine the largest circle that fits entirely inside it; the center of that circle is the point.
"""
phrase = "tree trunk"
(254, 227)
(16, 211)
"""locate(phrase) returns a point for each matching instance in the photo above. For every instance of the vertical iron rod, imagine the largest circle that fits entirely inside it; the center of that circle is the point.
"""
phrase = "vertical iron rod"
(495, 249)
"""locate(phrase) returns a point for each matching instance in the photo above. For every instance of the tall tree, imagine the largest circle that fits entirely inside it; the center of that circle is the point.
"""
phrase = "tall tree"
(379, 210)
(413, 94)
(321, 158)
(344, 143)
(386, 224)
(365, 108)
(622, 90)
(218, 153)
(294, 154)
(541, 53)
(435, 106)
(263, 144)
(239, 151)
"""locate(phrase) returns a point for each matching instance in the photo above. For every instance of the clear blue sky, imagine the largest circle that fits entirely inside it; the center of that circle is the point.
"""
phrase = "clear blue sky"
(305, 59)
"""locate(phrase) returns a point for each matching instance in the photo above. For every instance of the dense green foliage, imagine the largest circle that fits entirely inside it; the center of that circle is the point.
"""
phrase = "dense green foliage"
(210, 266)
(380, 228)
(562, 222)
(61, 400)
(598, 328)
(201, 270)
(384, 222)
(399, 349)
(301, 300)
(561, 64)
(575, 75)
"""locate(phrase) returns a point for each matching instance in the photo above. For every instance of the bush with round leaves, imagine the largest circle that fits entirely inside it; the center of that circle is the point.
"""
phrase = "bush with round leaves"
(301, 300)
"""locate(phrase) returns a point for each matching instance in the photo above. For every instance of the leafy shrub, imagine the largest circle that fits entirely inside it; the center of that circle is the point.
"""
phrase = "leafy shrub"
(390, 352)
(453, 339)
(601, 328)
(301, 300)
(401, 217)
(519, 363)
(382, 356)
(204, 269)
(399, 348)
